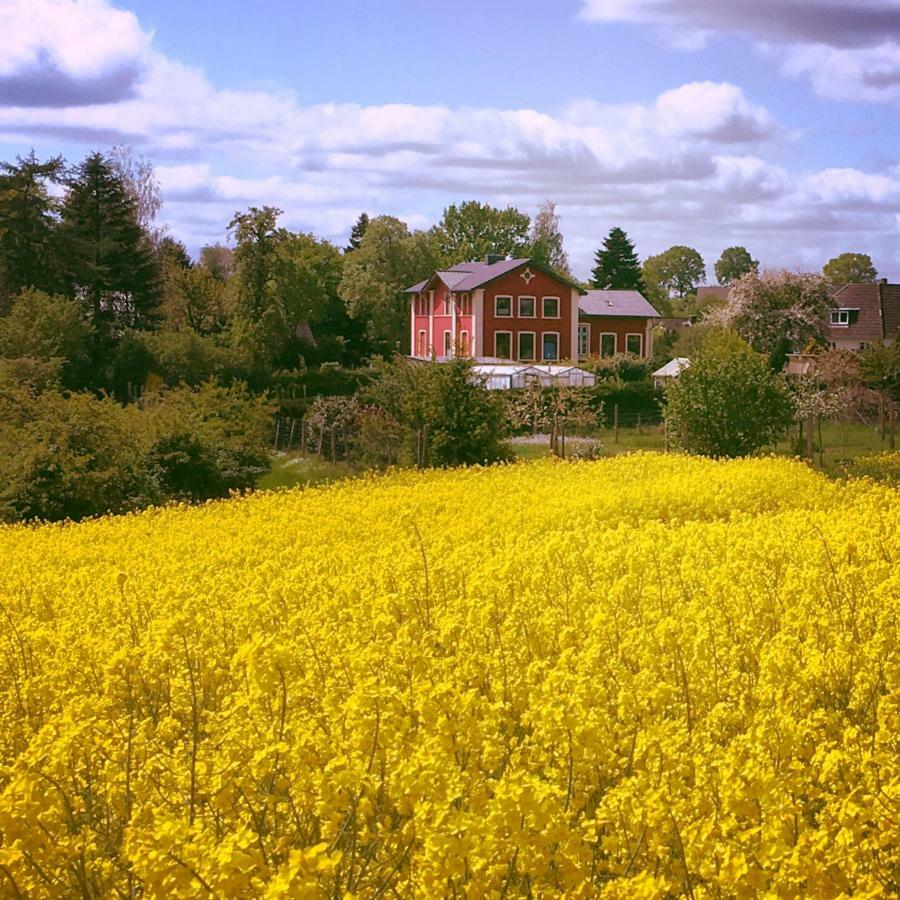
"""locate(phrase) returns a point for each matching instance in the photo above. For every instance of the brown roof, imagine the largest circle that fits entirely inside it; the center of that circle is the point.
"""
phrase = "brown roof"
(864, 303)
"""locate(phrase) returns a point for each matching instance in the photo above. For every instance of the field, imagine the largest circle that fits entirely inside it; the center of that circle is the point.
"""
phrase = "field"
(653, 676)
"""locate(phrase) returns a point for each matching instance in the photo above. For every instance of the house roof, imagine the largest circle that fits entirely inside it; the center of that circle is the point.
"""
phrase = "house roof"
(469, 276)
(617, 303)
(713, 292)
(866, 298)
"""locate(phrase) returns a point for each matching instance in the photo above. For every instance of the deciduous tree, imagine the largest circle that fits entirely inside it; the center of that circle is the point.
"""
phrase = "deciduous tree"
(472, 230)
(777, 312)
(547, 240)
(734, 262)
(849, 268)
(674, 273)
(729, 402)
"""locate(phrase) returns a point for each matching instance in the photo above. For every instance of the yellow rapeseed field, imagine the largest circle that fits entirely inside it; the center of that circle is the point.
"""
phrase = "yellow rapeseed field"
(645, 677)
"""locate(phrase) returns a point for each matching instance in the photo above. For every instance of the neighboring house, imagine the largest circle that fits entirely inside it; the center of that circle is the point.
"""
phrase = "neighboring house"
(514, 310)
(864, 314)
(670, 371)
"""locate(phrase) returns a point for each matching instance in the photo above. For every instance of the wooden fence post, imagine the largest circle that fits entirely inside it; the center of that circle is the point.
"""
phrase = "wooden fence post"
(277, 432)
(303, 447)
(333, 448)
(616, 423)
(810, 422)
(293, 429)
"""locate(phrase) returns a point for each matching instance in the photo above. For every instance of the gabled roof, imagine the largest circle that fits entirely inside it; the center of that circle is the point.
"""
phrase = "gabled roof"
(866, 298)
(469, 276)
(617, 303)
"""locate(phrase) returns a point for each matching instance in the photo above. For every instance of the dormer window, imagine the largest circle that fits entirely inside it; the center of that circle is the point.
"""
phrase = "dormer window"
(840, 317)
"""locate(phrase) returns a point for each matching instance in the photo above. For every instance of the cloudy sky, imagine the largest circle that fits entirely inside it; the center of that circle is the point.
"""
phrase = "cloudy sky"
(769, 123)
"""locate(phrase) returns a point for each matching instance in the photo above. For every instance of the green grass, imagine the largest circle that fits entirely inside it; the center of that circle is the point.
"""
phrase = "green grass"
(290, 470)
(841, 442)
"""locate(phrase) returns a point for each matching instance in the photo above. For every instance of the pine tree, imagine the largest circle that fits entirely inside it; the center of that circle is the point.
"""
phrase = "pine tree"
(357, 232)
(616, 264)
(28, 220)
(109, 260)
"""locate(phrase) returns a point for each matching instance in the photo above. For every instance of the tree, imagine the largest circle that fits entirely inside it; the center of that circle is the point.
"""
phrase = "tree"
(777, 312)
(28, 220)
(218, 260)
(140, 181)
(257, 237)
(109, 260)
(674, 273)
(850, 268)
(47, 328)
(388, 261)
(729, 402)
(306, 273)
(195, 299)
(616, 265)
(357, 232)
(879, 368)
(473, 230)
(547, 240)
(734, 262)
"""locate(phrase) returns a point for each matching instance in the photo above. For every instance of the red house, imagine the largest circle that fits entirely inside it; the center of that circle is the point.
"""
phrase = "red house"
(518, 311)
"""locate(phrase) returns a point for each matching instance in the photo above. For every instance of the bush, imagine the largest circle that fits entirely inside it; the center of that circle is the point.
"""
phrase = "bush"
(74, 456)
(586, 451)
(877, 466)
(49, 329)
(209, 441)
(729, 402)
(621, 367)
(447, 416)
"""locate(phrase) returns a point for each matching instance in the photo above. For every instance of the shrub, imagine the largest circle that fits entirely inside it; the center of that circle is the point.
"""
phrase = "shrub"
(585, 451)
(74, 456)
(729, 402)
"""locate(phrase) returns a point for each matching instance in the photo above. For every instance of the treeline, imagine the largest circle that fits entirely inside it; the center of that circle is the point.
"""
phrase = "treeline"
(670, 279)
(90, 283)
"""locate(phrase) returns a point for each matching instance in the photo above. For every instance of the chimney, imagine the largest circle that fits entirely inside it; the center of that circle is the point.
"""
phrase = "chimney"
(492, 258)
(883, 281)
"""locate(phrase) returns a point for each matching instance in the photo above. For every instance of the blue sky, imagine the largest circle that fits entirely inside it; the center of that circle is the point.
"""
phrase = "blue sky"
(768, 123)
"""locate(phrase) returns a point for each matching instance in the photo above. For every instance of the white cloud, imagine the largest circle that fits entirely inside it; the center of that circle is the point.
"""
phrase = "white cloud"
(847, 51)
(690, 166)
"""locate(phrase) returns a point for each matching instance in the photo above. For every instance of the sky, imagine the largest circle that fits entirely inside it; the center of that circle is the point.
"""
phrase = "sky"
(772, 124)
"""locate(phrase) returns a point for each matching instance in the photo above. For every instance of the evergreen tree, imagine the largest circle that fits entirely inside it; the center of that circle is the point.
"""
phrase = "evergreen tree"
(109, 260)
(616, 264)
(28, 223)
(357, 232)
(547, 240)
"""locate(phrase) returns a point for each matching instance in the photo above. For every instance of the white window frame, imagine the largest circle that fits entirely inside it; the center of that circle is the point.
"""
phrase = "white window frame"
(464, 347)
(615, 338)
(544, 335)
(496, 335)
(422, 343)
(533, 357)
(448, 342)
(533, 300)
(465, 304)
(640, 338)
(497, 313)
(544, 308)
(840, 317)
(586, 326)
